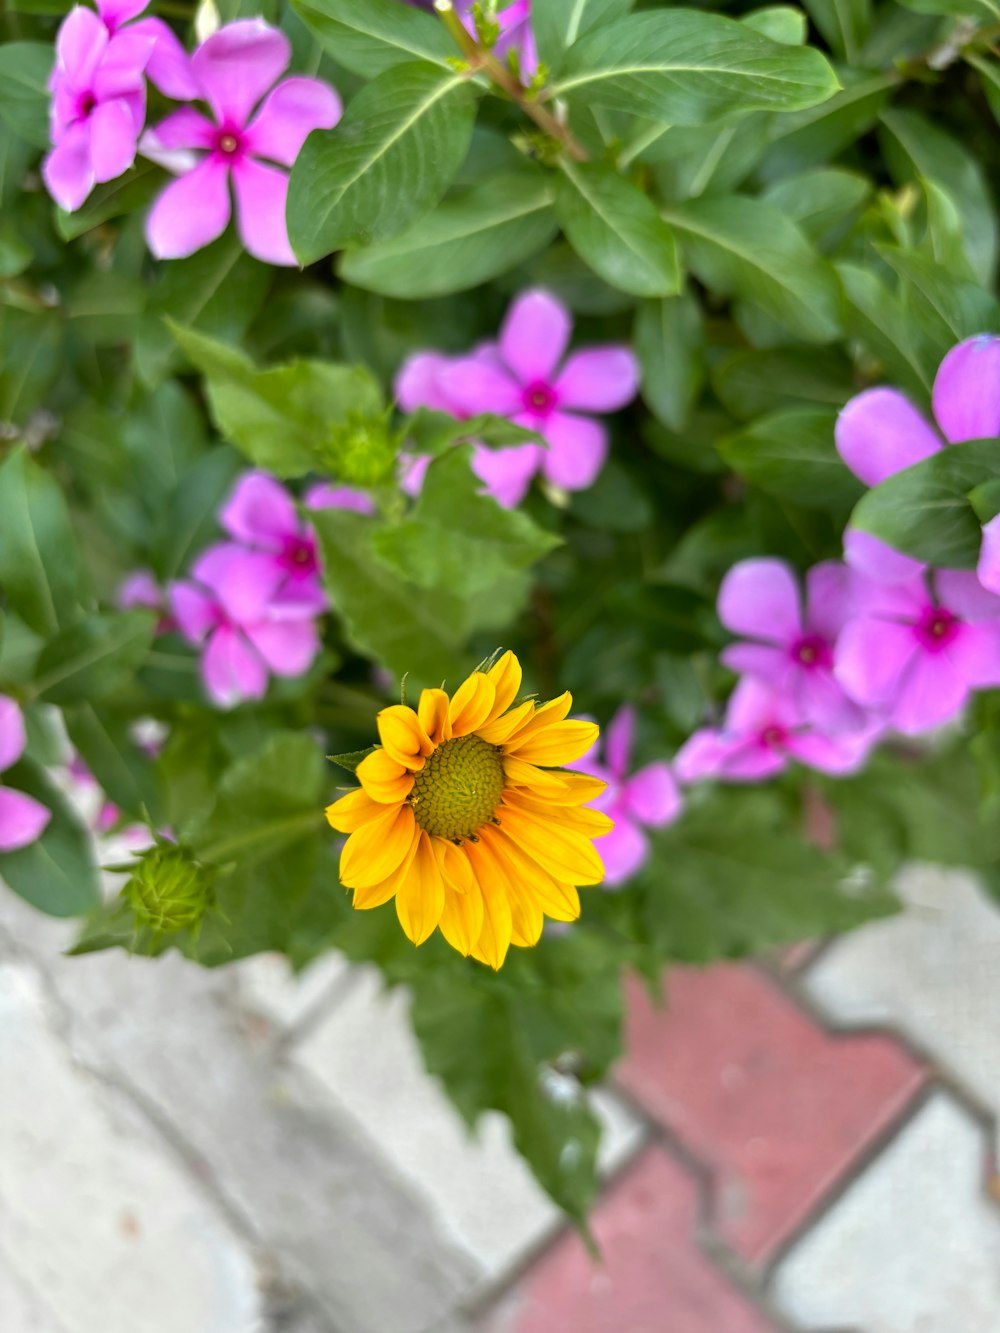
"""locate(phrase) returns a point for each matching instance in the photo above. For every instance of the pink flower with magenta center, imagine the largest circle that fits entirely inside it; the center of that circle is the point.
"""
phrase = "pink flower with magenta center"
(788, 644)
(22, 818)
(916, 650)
(648, 798)
(169, 65)
(233, 70)
(527, 377)
(233, 608)
(260, 513)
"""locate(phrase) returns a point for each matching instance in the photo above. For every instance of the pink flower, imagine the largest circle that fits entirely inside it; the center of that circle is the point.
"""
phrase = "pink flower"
(140, 590)
(232, 71)
(98, 106)
(649, 797)
(763, 730)
(792, 645)
(516, 34)
(22, 818)
(169, 66)
(106, 814)
(880, 432)
(917, 649)
(229, 609)
(325, 496)
(262, 515)
(525, 378)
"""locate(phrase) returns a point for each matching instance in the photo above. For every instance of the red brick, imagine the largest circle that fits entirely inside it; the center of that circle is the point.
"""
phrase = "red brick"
(775, 1108)
(652, 1277)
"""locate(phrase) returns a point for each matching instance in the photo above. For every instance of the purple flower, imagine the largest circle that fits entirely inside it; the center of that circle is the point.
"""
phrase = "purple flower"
(262, 515)
(230, 610)
(22, 818)
(763, 730)
(525, 378)
(98, 106)
(880, 432)
(916, 649)
(649, 797)
(232, 71)
(791, 645)
(325, 496)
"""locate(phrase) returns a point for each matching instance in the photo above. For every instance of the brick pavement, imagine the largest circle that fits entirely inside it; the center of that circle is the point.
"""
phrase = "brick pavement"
(787, 1150)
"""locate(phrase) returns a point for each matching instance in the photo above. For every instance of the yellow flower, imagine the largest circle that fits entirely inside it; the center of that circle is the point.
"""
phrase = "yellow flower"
(466, 819)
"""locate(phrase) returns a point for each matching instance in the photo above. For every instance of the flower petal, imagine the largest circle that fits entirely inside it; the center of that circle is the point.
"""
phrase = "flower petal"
(289, 114)
(557, 899)
(113, 135)
(830, 754)
(67, 170)
(418, 384)
(22, 819)
(962, 592)
(527, 918)
(873, 559)
(966, 394)
(765, 661)
(237, 65)
(261, 194)
(505, 674)
(760, 598)
(880, 432)
(116, 12)
(183, 128)
(243, 581)
(169, 66)
(191, 212)
(289, 647)
(385, 780)
(652, 796)
(556, 745)
(600, 379)
(403, 737)
(231, 670)
(534, 335)
(618, 737)
(975, 654)
(378, 848)
(474, 386)
(121, 69)
(566, 855)
(507, 473)
(623, 851)
(462, 916)
(420, 895)
(577, 449)
(375, 895)
(13, 737)
(196, 613)
(352, 811)
(325, 496)
(472, 704)
(931, 692)
(988, 569)
(80, 43)
(872, 657)
(260, 512)
(500, 731)
(830, 598)
(433, 715)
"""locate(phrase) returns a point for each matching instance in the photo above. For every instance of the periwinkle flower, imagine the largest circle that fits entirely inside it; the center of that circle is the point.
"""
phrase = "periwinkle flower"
(22, 818)
(233, 70)
(261, 514)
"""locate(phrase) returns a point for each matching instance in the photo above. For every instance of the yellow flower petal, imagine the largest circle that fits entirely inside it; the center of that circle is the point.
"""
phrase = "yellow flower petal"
(496, 733)
(565, 854)
(472, 704)
(578, 788)
(591, 823)
(525, 912)
(462, 919)
(384, 779)
(506, 678)
(494, 938)
(420, 895)
(556, 745)
(403, 737)
(433, 715)
(557, 900)
(543, 716)
(455, 867)
(519, 774)
(372, 853)
(375, 895)
(352, 811)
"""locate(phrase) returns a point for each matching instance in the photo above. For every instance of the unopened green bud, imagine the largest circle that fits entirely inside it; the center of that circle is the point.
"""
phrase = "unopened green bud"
(362, 450)
(168, 890)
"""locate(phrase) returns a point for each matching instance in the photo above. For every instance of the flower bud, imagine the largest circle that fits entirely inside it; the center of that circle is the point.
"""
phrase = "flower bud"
(168, 890)
(362, 451)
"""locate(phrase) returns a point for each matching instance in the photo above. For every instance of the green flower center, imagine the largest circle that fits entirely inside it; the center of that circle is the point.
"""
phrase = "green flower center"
(458, 788)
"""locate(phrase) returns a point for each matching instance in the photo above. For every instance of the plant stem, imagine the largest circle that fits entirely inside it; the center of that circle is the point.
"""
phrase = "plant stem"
(502, 78)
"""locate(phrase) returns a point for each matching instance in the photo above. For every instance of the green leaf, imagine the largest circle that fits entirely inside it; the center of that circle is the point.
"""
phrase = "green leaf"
(465, 242)
(843, 24)
(941, 310)
(189, 521)
(405, 627)
(24, 96)
(744, 247)
(792, 456)
(126, 194)
(217, 292)
(874, 315)
(375, 35)
(914, 147)
(391, 158)
(818, 134)
(824, 202)
(670, 344)
(32, 352)
(40, 567)
(984, 10)
(457, 540)
(782, 23)
(350, 761)
(733, 877)
(751, 383)
(284, 418)
(57, 873)
(926, 511)
(685, 67)
(989, 77)
(557, 24)
(125, 773)
(94, 657)
(616, 229)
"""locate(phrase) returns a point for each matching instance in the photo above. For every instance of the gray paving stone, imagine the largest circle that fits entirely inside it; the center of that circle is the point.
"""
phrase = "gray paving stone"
(284, 1164)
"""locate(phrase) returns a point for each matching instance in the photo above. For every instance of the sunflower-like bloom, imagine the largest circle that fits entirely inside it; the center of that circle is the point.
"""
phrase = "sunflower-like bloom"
(466, 819)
